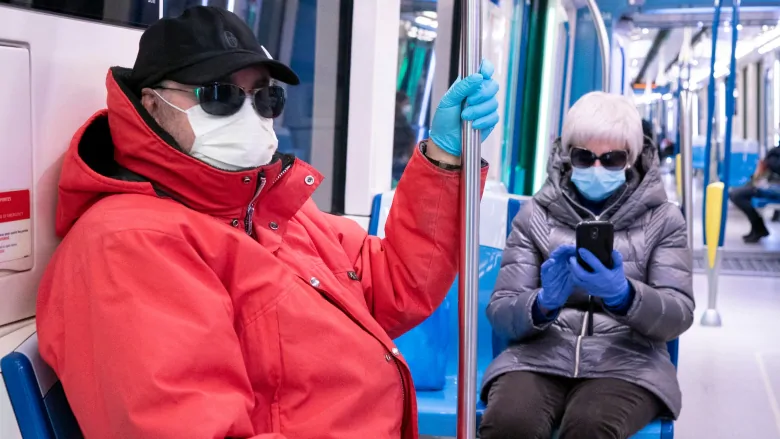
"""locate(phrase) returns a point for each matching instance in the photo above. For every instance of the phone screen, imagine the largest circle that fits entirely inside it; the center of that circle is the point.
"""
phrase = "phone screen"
(597, 237)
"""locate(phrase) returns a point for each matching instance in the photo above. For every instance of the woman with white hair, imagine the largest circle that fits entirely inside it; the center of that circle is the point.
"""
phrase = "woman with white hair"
(587, 349)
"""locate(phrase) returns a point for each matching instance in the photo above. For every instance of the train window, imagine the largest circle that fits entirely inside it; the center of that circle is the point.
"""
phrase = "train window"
(313, 125)
(416, 61)
(132, 13)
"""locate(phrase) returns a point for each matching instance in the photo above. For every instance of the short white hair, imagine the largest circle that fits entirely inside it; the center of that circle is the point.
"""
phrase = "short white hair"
(603, 117)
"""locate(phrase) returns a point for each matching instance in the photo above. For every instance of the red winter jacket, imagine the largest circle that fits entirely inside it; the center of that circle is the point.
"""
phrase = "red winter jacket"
(177, 307)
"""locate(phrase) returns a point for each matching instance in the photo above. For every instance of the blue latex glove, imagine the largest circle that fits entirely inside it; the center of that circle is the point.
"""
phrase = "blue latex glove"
(610, 285)
(479, 91)
(557, 282)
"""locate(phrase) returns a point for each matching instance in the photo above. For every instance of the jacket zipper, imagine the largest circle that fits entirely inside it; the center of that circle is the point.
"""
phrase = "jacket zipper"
(250, 209)
(403, 393)
(579, 346)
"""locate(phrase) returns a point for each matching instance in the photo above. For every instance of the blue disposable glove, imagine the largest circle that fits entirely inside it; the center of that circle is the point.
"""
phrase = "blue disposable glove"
(557, 282)
(610, 285)
(479, 91)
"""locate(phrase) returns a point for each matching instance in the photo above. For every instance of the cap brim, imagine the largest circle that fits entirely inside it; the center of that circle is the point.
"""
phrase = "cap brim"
(223, 65)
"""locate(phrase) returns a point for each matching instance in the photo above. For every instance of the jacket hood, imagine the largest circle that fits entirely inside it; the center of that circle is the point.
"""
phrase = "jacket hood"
(644, 190)
(122, 150)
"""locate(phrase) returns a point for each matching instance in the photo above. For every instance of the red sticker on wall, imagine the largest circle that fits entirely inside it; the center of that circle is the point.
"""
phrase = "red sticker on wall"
(15, 225)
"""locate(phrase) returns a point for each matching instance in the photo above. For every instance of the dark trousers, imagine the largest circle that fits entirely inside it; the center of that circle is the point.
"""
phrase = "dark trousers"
(527, 405)
(741, 197)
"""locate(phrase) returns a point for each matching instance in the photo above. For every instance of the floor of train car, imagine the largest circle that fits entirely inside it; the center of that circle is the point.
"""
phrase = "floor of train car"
(730, 376)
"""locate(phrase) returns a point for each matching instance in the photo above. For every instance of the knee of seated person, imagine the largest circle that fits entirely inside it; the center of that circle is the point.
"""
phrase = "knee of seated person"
(738, 194)
(590, 422)
(506, 422)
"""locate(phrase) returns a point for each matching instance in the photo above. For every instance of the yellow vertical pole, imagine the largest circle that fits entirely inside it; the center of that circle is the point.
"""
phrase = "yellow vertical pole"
(714, 210)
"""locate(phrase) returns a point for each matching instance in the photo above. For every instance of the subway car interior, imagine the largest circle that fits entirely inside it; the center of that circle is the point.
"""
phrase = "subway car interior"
(706, 79)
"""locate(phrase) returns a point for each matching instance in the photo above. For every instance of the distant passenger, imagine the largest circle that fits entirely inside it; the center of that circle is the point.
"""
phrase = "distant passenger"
(404, 137)
(199, 293)
(764, 184)
(647, 133)
(667, 148)
(587, 350)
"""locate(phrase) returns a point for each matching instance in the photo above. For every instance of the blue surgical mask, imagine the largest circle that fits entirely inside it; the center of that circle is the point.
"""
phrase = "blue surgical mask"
(597, 183)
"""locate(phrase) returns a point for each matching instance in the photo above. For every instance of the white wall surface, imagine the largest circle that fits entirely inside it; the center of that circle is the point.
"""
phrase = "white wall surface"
(68, 62)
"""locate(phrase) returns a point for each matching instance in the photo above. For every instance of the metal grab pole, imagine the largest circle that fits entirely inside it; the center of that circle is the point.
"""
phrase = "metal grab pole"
(601, 32)
(710, 118)
(730, 104)
(686, 160)
(468, 284)
(685, 132)
(719, 208)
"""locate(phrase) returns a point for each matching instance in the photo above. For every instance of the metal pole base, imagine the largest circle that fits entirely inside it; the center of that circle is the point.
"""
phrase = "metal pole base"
(711, 317)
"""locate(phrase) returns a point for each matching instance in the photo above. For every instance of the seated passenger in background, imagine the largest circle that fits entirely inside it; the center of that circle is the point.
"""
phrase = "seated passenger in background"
(647, 133)
(764, 184)
(588, 350)
(199, 293)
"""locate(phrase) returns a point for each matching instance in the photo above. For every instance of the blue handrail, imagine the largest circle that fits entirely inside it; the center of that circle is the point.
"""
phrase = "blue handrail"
(710, 117)
(678, 136)
(730, 83)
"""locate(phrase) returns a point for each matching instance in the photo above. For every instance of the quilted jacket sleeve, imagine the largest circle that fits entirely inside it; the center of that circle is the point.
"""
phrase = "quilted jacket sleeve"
(510, 307)
(663, 306)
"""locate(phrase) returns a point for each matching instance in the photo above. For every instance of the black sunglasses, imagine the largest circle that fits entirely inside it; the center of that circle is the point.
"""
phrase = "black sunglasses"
(612, 160)
(220, 99)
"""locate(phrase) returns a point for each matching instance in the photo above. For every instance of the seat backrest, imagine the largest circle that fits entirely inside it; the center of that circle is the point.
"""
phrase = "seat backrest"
(431, 349)
(36, 395)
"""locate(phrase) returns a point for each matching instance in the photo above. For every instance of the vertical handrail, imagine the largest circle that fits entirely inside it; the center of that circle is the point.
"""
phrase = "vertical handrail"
(730, 101)
(468, 285)
(685, 132)
(601, 33)
(686, 161)
(710, 117)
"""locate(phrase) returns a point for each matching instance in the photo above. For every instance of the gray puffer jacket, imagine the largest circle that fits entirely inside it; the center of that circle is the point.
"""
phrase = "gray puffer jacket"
(586, 340)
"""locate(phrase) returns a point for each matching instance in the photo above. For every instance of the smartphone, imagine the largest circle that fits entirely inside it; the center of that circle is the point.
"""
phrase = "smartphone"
(597, 237)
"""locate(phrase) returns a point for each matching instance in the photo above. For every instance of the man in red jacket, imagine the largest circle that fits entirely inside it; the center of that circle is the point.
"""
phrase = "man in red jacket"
(199, 293)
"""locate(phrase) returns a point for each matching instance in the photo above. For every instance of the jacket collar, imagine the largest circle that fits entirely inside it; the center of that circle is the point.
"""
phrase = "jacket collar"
(123, 150)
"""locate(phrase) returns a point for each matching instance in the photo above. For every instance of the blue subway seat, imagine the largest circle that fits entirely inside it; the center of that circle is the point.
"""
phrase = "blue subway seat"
(767, 196)
(431, 349)
(36, 395)
(697, 156)
(742, 168)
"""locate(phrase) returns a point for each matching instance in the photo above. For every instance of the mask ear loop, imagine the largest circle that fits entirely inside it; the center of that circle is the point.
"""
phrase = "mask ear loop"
(166, 101)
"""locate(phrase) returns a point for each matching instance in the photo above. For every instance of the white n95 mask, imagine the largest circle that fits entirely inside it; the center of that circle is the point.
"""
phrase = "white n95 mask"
(239, 141)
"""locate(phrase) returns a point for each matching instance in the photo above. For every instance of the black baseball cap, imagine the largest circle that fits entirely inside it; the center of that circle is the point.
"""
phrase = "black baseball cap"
(202, 45)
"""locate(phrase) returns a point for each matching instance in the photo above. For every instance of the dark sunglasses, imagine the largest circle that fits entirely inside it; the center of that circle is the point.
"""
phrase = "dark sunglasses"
(612, 160)
(220, 99)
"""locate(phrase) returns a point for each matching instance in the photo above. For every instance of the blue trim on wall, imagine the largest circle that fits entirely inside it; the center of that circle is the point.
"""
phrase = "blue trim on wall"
(587, 57)
(373, 223)
(567, 28)
(514, 176)
(512, 207)
(622, 70)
